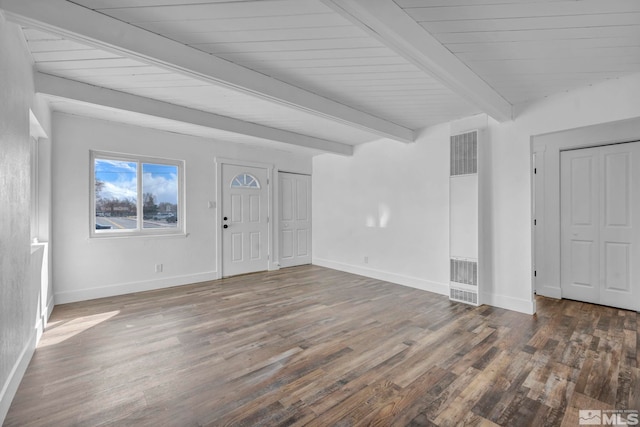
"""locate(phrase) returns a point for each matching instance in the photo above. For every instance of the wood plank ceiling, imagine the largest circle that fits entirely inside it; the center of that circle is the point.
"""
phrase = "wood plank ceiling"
(528, 49)
(523, 49)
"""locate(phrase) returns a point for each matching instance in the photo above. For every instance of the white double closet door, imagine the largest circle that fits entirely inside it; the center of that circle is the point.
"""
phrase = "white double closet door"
(600, 225)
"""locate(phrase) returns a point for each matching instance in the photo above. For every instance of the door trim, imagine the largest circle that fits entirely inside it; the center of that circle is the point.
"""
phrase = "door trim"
(547, 231)
(219, 161)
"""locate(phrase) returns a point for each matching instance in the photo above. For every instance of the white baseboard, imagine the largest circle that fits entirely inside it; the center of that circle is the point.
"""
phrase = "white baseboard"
(50, 305)
(10, 387)
(412, 282)
(65, 297)
(509, 303)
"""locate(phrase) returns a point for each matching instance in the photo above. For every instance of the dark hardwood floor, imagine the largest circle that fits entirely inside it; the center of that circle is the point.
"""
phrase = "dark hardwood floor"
(313, 346)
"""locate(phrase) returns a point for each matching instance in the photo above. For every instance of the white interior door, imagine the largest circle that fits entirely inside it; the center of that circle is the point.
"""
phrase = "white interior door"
(295, 219)
(245, 210)
(600, 234)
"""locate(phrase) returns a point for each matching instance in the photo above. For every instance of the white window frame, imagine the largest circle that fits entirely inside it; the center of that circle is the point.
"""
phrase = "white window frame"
(178, 230)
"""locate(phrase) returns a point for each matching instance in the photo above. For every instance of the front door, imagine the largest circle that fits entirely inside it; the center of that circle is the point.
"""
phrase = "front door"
(295, 219)
(600, 225)
(245, 206)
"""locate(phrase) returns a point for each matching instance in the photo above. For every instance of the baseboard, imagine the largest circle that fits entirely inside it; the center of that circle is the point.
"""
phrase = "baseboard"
(412, 282)
(509, 303)
(10, 387)
(50, 305)
(128, 288)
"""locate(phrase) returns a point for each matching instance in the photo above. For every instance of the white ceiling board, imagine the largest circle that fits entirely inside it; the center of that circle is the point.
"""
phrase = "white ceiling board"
(552, 52)
(176, 28)
(217, 11)
(62, 64)
(541, 46)
(358, 46)
(36, 46)
(562, 65)
(521, 49)
(101, 31)
(521, 10)
(540, 35)
(529, 49)
(370, 54)
(286, 35)
(536, 23)
(407, 97)
(99, 4)
(436, 3)
(303, 43)
(72, 55)
(113, 100)
(156, 83)
(136, 119)
(387, 22)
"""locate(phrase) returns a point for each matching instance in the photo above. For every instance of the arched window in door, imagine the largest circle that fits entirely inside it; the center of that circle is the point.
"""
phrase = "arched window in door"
(245, 180)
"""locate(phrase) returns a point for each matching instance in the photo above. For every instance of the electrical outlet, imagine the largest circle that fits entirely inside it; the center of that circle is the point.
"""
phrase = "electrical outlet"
(158, 268)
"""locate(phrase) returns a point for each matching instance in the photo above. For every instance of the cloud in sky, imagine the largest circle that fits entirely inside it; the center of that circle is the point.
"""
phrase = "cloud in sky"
(164, 187)
(119, 180)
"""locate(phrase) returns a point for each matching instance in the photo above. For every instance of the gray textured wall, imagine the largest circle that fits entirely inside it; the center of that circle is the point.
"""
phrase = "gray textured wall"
(18, 298)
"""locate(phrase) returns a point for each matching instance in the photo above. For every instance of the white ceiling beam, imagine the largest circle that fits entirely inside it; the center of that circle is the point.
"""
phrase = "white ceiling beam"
(85, 25)
(70, 89)
(393, 27)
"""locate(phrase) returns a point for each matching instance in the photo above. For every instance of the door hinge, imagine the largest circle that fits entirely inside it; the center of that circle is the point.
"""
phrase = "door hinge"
(535, 273)
(535, 171)
(267, 220)
(535, 222)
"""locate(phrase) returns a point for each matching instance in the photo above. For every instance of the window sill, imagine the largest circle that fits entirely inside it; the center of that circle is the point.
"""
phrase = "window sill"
(109, 236)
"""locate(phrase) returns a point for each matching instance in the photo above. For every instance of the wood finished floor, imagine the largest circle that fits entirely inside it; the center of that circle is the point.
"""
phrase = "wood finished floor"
(313, 346)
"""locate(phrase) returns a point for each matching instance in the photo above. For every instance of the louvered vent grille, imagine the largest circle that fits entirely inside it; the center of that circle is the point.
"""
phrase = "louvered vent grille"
(464, 154)
(463, 271)
(463, 296)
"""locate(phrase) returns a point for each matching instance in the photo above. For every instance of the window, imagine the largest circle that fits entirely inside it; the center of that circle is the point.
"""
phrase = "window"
(244, 180)
(125, 186)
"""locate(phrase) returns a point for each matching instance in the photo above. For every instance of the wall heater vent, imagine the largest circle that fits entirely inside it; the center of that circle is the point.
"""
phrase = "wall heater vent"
(463, 271)
(463, 295)
(464, 154)
(467, 263)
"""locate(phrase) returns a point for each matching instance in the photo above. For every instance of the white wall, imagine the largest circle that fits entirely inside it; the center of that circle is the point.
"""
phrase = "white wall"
(19, 297)
(390, 203)
(86, 268)
(412, 181)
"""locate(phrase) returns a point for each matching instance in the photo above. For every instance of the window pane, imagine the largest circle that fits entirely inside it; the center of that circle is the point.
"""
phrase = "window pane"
(116, 185)
(244, 180)
(159, 195)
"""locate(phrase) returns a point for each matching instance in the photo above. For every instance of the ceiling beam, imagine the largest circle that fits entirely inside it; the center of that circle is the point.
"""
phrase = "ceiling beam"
(70, 89)
(85, 25)
(385, 20)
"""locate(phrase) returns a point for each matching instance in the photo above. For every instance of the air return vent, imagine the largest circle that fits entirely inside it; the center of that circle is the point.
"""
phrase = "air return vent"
(464, 280)
(464, 271)
(464, 154)
(463, 295)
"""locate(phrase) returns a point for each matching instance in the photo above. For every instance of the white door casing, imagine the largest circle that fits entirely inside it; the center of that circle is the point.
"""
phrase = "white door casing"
(295, 219)
(600, 234)
(245, 216)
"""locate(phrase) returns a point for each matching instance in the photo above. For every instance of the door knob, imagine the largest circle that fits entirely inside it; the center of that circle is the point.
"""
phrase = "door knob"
(225, 226)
